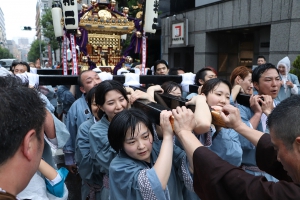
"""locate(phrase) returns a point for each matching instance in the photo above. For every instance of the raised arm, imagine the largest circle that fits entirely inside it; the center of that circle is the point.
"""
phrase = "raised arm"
(235, 91)
(54, 179)
(163, 163)
(267, 104)
(129, 90)
(214, 174)
(202, 114)
(72, 90)
(256, 108)
(138, 94)
(233, 120)
(154, 88)
(184, 123)
(48, 171)
(49, 127)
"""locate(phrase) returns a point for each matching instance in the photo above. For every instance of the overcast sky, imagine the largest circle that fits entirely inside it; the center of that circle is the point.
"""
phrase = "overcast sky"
(17, 14)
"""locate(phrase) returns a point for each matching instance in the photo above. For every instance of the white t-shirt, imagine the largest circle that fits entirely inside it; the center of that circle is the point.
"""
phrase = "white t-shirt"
(264, 118)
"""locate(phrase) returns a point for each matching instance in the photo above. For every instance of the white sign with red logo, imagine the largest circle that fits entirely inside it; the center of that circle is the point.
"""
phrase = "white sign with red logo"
(180, 33)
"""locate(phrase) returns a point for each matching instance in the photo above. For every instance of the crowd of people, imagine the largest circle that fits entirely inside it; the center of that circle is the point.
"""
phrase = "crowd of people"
(251, 152)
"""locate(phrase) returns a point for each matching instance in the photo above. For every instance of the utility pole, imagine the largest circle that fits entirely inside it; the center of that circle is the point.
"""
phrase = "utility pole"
(40, 41)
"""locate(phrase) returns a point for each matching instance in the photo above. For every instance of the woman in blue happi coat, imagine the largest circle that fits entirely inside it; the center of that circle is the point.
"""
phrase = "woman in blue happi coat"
(91, 179)
(145, 167)
(111, 98)
(223, 141)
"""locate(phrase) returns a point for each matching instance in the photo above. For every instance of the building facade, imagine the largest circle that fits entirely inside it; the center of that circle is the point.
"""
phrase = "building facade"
(13, 49)
(24, 47)
(23, 54)
(227, 34)
(23, 42)
(41, 7)
(3, 42)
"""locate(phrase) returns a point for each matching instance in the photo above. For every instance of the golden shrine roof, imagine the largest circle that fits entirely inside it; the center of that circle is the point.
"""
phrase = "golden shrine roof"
(106, 22)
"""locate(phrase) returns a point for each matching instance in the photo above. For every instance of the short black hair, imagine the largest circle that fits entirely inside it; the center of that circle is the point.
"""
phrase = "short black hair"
(209, 85)
(18, 118)
(79, 77)
(160, 62)
(106, 86)
(174, 71)
(260, 56)
(259, 70)
(180, 68)
(15, 63)
(89, 97)
(11, 81)
(169, 86)
(284, 120)
(120, 124)
(201, 74)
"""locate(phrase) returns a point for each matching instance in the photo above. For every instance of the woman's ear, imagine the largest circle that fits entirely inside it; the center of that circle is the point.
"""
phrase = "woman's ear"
(238, 80)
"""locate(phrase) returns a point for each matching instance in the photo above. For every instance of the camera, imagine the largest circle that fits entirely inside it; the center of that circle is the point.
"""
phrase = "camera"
(261, 99)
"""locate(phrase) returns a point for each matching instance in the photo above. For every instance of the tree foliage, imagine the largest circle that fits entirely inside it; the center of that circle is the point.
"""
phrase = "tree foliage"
(48, 29)
(296, 67)
(34, 52)
(4, 53)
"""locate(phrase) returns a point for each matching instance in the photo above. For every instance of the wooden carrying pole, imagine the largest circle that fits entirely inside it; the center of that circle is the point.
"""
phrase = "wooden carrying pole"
(72, 79)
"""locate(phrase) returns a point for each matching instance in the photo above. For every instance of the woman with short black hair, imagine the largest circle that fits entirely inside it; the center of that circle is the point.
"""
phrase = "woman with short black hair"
(145, 167)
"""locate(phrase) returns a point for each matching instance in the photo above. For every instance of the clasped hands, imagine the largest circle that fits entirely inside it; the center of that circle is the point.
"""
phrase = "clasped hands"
(184, 119)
